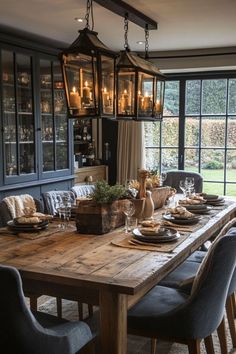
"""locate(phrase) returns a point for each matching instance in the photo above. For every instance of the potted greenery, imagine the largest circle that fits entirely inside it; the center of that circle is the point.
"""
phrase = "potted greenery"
(103, 212)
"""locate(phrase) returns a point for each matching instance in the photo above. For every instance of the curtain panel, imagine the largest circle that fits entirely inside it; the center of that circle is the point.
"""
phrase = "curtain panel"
(130, 150)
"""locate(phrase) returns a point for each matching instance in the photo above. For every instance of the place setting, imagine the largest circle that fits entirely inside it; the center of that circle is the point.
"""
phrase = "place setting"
(195, 204)
(30, 224)
(213, 199)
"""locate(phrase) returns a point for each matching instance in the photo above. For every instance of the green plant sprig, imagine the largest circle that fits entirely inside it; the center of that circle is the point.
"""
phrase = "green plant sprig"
(104, 193)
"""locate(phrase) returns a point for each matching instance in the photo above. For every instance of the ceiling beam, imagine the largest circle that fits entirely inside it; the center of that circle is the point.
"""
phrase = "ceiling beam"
(120, 8)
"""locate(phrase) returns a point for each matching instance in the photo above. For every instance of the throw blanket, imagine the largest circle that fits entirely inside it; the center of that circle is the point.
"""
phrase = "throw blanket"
(16, 204)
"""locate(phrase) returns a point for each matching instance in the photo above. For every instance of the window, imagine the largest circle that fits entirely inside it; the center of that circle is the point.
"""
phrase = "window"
(198, 132)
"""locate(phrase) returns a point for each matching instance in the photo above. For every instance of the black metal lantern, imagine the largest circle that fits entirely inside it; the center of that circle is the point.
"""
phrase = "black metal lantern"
(89, 75)
(140, 86)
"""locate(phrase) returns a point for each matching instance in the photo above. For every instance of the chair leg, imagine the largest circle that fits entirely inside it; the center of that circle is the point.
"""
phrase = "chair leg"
(90, 310)
(33, 302)
(230, 316)
(209, 345)
(80, 311)
(194, 346)
(234, 304)
(59, 307)
(222, 337)
(153, 345)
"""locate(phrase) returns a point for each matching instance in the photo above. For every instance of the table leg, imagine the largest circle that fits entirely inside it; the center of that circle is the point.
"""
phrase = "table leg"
(113, 323)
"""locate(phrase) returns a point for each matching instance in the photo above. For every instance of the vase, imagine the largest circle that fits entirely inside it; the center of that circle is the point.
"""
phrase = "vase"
(149, 206)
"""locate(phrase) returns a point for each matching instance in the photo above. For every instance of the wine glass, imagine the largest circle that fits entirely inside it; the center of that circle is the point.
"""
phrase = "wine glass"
(163, 178)
(128, 209)
(182, 186)
(189, 182)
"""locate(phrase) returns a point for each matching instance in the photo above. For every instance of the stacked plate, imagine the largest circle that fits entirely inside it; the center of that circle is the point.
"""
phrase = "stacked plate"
(166, 235)
(17, 227)
(214, 199)
(181, 221)
(198, 208)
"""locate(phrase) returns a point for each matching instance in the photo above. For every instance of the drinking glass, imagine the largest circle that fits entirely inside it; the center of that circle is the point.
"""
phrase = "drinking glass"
(182, 186)
(189, 181)
(163, 177)
(128, 209)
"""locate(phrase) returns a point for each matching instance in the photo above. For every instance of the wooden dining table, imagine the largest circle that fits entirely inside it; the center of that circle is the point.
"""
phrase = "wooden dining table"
(93, 270)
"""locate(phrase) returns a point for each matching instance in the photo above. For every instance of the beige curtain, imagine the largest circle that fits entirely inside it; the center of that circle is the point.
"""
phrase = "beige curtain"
(130, 150)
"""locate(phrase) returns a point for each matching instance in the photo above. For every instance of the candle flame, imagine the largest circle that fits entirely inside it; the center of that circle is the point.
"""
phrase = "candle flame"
(74, 89)
(105, 90)
(146, 94)
(125, 92)
(86, 83)
(139, 92)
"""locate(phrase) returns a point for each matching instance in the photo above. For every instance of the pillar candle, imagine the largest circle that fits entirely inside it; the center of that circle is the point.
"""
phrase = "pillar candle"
(75, 99)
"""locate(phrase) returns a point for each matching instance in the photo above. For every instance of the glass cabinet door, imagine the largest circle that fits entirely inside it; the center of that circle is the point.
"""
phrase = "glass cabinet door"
(53, 117)
(18, 114)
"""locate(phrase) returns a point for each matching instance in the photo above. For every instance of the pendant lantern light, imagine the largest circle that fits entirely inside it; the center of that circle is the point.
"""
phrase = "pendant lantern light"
(89, 74)
(139, 84)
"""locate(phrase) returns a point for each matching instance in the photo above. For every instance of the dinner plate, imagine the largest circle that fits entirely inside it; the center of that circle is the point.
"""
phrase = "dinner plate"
(27, 227)
(217, 201)
(209, 196)
(170, 235)
(192, 207)
(201, 211)
(189, 221)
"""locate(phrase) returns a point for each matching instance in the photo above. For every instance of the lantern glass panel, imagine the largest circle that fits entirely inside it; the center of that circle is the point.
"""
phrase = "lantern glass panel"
(107, 86)
(145, 95)
(126, 92)
(158, 102)
(80, 78)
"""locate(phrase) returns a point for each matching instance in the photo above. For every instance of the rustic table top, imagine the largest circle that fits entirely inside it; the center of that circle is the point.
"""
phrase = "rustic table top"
(70, 258)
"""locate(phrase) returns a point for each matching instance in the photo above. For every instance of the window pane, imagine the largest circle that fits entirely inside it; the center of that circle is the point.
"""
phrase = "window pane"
(213, 188)
(170, 131)
(171, 100)
(192, 131)
(231, 135)
(212, 164)
(232, 96)
(231, 189)
(152, 133)
(213, 132)
(231, 166)
(152, 159)
(191, 160)
(169, 159)
(193, 97)
(214, 96)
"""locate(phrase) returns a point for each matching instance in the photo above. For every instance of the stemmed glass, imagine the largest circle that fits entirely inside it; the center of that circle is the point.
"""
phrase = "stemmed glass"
(128, 209)
(182, 186)
(163, 178)
(189, 182)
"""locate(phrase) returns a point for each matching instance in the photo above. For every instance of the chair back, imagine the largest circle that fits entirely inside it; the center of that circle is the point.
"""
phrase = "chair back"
(204, 310)
(5, 214)
(52, 199)
(83, 190)
(174, 177)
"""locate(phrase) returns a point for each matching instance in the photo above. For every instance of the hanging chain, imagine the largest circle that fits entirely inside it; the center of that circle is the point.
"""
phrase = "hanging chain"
(126, 28)
(89, 11)
(146, 41)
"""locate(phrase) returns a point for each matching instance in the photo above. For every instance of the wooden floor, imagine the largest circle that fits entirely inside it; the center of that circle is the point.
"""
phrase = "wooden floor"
(136, 345)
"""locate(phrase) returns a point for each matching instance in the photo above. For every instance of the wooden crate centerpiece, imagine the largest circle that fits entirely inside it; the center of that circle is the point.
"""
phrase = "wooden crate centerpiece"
(94, 218)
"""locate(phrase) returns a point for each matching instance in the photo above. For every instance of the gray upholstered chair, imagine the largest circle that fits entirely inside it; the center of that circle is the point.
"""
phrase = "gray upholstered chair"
(174, 177)
(182, 278)
(23, 332)
(5, 214)
(82, 190)
(53, 198)
(172, 314)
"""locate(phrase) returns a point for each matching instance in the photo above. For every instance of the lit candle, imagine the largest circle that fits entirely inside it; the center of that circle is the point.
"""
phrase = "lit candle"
(75, 99)
(126, 100)
(146, 101)
(140, 100)
(105, 97)
(86, 93)
(158, 106)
